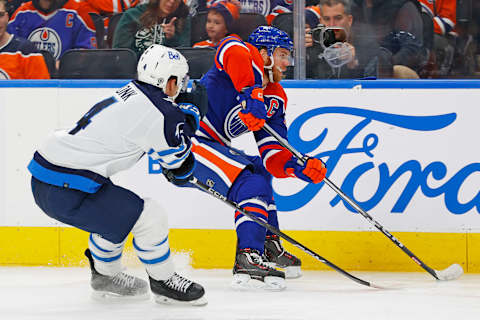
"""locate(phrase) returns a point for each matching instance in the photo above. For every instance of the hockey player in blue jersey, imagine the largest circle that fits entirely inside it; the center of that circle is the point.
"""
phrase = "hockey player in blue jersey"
(244, 92)
(71, 178)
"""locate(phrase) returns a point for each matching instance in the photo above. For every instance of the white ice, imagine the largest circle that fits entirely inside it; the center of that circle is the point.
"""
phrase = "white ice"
(64, 293)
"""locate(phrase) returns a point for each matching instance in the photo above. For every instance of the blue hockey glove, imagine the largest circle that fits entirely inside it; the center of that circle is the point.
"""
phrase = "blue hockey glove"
(192, 114)
(313, 170)
(182, 175)
(254, 112)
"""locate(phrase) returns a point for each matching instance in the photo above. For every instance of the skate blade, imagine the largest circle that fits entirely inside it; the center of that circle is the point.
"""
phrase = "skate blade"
(103, 296)
(169, 301)
(293, 272)
(245, 282)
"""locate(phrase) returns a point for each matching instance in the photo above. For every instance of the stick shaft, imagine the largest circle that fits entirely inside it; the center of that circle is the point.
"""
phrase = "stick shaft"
(350, 201)
(279, 233)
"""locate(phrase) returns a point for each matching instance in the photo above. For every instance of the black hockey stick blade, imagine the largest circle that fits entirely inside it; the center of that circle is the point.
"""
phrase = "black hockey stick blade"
(279, 233)
(451, 273)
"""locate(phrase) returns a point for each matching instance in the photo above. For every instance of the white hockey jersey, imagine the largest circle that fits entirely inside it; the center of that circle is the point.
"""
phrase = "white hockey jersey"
(113, 136)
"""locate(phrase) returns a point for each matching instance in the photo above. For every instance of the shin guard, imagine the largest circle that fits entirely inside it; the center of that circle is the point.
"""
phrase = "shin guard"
(151, 241)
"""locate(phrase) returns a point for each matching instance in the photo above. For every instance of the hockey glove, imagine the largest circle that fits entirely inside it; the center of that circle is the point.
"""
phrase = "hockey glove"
(182, 175)
(254, 113)
(313, 170)
(198, 97)
(192, 115)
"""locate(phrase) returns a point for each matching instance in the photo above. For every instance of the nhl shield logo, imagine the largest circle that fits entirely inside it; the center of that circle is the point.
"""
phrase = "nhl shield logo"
(47, 39)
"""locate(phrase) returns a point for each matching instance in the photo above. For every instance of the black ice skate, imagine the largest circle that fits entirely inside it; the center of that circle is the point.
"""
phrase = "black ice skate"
(121, 286)
(250, 266)
(178, 290)
(278, 257)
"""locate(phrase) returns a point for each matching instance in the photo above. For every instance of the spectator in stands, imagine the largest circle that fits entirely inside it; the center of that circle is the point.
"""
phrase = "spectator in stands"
(347, 56)
(444, 15)
(312, 19)
(220, 18)
(54, 25)
(13, 5)
(109, 7)
(165, 22)
(398, 28)
(19, 59)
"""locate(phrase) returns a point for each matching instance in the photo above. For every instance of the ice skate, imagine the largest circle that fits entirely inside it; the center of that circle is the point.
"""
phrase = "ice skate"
(275, 255)
(178, 290)
(119, 287)
(251, 272)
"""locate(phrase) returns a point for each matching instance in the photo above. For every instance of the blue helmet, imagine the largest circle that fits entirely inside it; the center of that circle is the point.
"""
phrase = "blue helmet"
(270, 38)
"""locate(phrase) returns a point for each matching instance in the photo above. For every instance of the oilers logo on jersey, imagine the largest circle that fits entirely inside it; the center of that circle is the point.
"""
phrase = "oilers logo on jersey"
(256, 6)
(234, 127)
(46, 39)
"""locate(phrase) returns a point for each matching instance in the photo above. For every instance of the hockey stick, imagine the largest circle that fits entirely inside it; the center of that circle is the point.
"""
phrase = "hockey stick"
(451, 273)
(279, 233)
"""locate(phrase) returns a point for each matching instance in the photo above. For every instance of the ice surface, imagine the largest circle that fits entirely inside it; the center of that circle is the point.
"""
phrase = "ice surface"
(64, 293)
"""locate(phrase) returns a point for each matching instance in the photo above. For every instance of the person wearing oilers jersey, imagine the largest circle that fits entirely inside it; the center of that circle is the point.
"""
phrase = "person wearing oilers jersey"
(243, 93)
(54, 25)
(19, 59)
(71, 178)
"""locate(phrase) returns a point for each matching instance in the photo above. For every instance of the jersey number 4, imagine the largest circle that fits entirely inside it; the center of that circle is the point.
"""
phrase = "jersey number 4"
(86, 119)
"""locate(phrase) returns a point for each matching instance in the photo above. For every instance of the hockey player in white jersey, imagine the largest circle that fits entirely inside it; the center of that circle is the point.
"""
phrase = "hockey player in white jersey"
(71, 178)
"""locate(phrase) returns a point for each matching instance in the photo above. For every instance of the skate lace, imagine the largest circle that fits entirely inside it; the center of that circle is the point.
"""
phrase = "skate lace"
(178, 283)
(124, 280)
(257, 259)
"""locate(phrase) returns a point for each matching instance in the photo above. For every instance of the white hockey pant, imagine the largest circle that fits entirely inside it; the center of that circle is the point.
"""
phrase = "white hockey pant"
(150, 243)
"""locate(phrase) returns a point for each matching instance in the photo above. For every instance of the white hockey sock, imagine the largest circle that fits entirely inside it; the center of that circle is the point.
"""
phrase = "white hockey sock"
(106, 255)
(151, 241)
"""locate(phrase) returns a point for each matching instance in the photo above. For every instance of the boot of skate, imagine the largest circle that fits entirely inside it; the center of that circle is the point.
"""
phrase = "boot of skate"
(251, 272)
(178, 290)
(121, 285)
(278, 257)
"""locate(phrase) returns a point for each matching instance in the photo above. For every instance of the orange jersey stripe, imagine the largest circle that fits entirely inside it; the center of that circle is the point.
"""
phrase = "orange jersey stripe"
(229, 170)
(253, 209)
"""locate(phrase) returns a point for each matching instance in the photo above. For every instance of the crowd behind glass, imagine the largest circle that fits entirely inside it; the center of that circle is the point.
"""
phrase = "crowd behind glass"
(344, 39)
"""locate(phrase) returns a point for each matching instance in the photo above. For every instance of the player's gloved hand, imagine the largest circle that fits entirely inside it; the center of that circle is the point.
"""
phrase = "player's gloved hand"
(313, 170)
(197, 96)
(192, 115)
(254, 112)
(182, 175)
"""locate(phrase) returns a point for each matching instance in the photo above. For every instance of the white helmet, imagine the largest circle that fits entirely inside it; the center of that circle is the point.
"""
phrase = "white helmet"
(158, 63)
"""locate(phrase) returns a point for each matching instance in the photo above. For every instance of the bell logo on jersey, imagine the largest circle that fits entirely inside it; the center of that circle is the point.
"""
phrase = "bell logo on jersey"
(173, 55)
(47, 39)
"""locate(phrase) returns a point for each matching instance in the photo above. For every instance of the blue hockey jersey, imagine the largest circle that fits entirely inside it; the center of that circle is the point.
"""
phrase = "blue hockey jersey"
(56, 32)
(239, 65)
